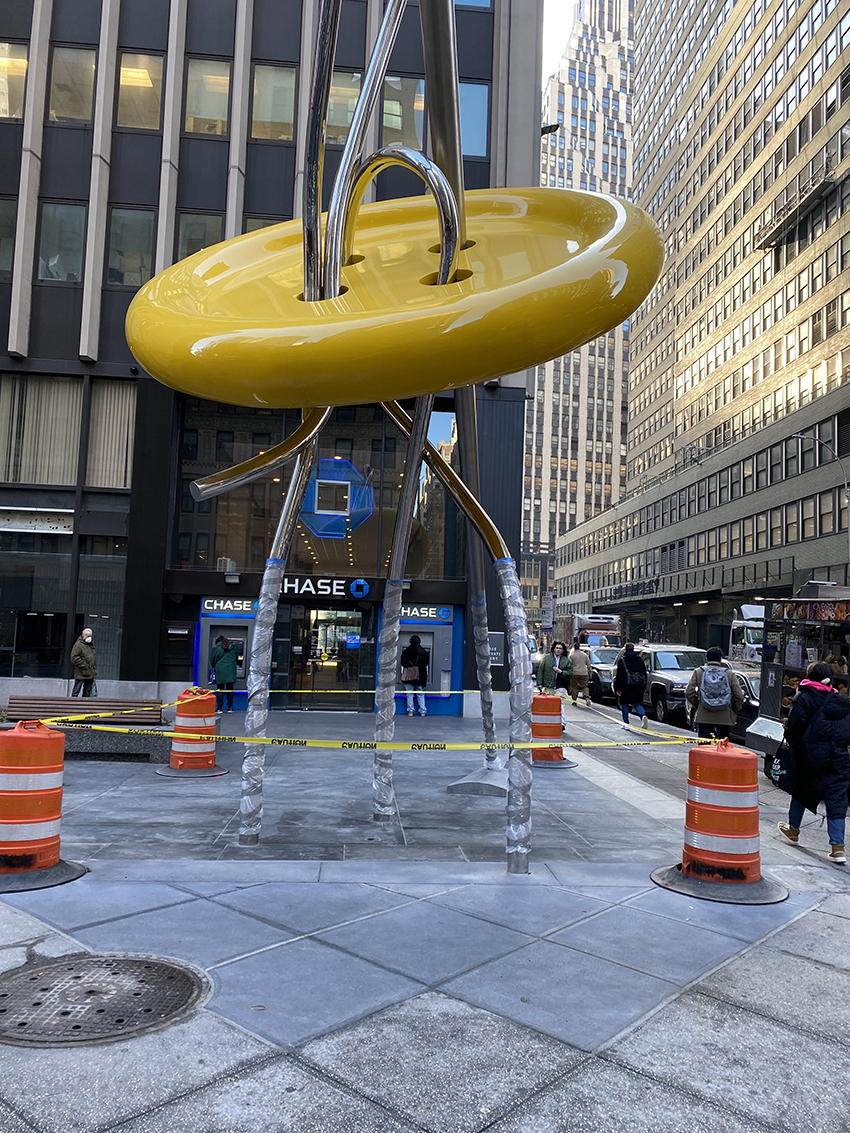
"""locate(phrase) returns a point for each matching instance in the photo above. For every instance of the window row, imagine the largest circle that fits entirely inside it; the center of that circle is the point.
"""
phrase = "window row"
(41, 423)
(206, 106)
(812, 517)
(815, 446)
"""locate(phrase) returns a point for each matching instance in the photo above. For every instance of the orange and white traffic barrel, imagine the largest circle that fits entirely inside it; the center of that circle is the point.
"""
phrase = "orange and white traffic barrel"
(721, 859)
(193, 746)
(546, 725)
(32, 763)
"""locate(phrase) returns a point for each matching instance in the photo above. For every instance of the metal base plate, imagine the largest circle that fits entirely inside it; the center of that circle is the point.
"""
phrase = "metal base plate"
(57, 874)
(82, 1000)
(192, 772)
(484, 781)
(765, 891)
(542, 763)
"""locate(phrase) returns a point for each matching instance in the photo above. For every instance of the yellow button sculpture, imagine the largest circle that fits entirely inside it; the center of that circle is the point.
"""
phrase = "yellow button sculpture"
(543, 271)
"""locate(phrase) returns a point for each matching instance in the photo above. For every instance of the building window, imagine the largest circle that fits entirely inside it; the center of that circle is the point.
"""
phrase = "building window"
(8, 216)
(404, 112)
(207, 96)
(474, 115)
(224, 446)
(130, 247)
(196, 232)
(111, 430)
(273, 112)
(13, 73)
(255, 223)
(71, 85)
(345, 90)
(60, 253)
(39, 429)
(139, 92)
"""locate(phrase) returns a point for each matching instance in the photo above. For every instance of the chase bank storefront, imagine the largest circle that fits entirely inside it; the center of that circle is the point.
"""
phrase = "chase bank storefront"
(325, 642)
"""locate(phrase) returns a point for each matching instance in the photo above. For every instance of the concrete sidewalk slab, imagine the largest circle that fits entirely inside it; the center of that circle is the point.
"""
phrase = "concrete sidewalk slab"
(599, 1096)
(540, 911)
(575, 997)
(447, 1066)
(297, 992)
(732, 1057)
(306, 909)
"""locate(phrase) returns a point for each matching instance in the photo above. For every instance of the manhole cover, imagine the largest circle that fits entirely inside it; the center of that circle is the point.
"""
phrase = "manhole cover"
(94, 999)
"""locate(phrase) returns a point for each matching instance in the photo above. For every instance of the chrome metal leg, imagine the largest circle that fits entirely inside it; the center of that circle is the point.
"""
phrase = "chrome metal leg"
(439, 48)
(251, 803)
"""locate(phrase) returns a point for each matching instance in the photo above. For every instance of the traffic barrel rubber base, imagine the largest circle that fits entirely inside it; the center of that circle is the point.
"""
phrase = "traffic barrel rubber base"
(58, 874)
(192, 772)
(765, 891)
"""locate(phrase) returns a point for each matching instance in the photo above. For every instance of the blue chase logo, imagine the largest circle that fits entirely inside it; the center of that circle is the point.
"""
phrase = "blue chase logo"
(359, 588)
(444, 613)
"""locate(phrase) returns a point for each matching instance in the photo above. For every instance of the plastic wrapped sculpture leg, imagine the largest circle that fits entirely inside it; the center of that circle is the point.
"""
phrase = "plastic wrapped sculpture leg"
(251, 804)
(383, 795)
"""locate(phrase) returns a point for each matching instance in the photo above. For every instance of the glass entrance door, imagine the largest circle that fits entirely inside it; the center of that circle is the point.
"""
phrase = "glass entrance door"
(324, 662)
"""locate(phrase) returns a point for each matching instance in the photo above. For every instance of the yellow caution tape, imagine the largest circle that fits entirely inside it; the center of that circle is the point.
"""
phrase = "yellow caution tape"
(354, 745)
(109, 715)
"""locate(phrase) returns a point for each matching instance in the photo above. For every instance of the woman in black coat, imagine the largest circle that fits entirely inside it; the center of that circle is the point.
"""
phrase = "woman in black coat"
(414, 659)
(818, 732)
(629, 684)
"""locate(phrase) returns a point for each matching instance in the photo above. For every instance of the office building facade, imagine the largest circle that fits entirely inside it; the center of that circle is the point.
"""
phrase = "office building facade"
(740, 357)
(575, 427)
(134, 133)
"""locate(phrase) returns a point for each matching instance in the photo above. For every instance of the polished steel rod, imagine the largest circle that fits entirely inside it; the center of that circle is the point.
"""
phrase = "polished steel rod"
(439, 47)
(320, 92)
(257, 466)
(371, 89)
(436, 181)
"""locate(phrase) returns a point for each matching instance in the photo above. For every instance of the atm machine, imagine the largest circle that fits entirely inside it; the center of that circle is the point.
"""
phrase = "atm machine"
(440, 629)
(232, 618)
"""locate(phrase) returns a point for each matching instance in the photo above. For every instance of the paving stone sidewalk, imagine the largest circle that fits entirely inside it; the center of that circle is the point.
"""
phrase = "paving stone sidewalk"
(445, 997)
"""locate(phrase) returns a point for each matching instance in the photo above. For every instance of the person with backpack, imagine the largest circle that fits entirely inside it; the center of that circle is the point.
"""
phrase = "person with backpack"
(717, 695)
(818, 733)
(629, 685)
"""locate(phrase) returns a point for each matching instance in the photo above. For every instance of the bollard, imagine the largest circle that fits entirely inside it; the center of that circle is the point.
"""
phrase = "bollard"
(32, 758)
(721, 859)
(193, 749)
(546, 725)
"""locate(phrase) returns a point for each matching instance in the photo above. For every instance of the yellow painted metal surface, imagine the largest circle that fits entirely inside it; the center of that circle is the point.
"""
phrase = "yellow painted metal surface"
(549, 269)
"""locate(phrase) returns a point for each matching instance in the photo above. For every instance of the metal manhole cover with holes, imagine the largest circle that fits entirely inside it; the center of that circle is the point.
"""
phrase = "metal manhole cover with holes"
(95, 999)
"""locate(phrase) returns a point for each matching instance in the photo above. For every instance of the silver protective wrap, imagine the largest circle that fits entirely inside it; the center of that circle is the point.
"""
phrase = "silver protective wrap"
(481, 641)
(383, 795)
(253, 762)
(518, 839)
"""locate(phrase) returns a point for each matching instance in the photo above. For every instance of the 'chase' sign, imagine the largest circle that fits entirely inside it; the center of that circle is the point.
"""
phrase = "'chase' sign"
(228, 607)
(426, 613)
(325, 587)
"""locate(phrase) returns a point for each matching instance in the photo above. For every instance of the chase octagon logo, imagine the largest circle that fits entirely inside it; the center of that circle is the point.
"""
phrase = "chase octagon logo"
(359, 588)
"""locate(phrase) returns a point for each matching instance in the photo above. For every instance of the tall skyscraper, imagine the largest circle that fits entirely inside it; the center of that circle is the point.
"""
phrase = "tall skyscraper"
(575, 464)
(739, 355)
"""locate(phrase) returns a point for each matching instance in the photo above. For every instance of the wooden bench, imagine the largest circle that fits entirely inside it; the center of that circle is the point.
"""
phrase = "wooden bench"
(132, 713)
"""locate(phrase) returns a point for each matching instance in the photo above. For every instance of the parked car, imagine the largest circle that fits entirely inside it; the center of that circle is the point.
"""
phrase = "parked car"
(750, 678)
(603, 664)
(668, 670)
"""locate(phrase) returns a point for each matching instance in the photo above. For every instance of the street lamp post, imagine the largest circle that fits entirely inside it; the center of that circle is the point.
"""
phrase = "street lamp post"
(829, 448)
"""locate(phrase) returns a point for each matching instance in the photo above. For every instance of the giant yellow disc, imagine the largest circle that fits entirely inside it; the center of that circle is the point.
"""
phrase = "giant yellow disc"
(548, 270)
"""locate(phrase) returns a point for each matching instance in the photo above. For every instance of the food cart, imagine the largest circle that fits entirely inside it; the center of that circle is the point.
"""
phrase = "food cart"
(815, 626)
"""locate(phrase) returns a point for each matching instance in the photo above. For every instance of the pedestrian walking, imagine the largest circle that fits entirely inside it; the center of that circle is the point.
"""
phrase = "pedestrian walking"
(414, 673)
(224, 661)
(580, 679)
(555, 669)
(629, 684)
(84, 660)
(818, 733)
(716, 694)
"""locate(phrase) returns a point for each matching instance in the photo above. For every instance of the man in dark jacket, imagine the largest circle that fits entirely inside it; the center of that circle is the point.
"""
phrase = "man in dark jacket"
(818, 732)
(414, 660)
(84, 660)
(629, 683)
(716, 712)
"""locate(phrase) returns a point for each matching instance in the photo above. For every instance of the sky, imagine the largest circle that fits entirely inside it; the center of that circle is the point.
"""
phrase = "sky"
(557, 24)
